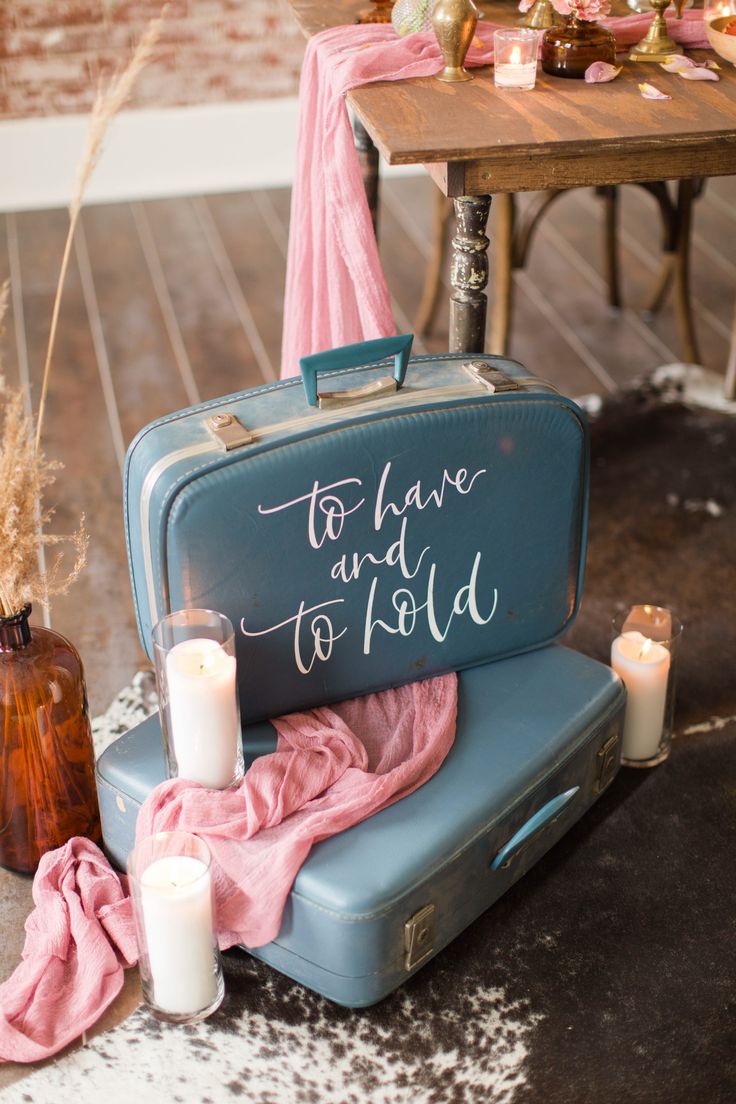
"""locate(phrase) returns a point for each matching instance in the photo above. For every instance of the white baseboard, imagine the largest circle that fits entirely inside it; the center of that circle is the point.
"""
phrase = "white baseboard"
(150, 153)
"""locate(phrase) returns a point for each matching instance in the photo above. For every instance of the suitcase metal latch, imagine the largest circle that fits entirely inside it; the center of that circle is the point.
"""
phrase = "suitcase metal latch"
(419, 937)
(606, 761)
(491, 377)
(228, 431)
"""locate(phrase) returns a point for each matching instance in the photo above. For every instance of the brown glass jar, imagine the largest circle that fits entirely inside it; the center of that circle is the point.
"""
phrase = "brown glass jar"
(569, 48)
(47, 775)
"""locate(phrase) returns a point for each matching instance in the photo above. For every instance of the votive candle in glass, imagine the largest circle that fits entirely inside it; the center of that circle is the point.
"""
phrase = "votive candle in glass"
(643, 654)
(515, 58)
(194, 652)
(173, 911)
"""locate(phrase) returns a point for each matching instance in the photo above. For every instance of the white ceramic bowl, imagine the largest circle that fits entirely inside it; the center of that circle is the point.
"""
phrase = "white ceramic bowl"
(723, 44)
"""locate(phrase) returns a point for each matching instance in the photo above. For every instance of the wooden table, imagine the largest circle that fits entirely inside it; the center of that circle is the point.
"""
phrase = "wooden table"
(475, 142)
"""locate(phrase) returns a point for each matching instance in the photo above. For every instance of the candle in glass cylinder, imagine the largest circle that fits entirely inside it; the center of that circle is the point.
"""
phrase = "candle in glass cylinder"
(204, 718)
(644, 667)
(515, 58)
(176, 907)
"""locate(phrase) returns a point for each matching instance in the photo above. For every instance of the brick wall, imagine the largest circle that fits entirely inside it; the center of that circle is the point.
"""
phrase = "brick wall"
(54, 52)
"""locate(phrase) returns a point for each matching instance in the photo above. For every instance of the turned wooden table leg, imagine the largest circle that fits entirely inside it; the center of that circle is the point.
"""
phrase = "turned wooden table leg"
(469, 275)
(368, 158)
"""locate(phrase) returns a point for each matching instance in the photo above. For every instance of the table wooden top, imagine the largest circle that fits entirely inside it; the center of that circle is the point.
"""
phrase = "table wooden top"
(475, 139)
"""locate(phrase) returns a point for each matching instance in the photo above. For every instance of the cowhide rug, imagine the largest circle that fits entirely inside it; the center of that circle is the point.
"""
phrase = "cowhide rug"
(609, 972)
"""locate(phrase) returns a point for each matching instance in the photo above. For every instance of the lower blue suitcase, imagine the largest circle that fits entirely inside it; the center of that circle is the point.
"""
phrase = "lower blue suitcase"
(538, 740)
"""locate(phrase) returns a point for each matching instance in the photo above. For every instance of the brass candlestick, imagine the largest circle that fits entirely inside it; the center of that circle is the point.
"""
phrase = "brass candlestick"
(540, 16)
(657, 44)
(454, 23)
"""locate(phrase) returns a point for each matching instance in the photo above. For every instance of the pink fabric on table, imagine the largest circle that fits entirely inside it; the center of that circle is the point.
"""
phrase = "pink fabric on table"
(332, 768)
(336, 292)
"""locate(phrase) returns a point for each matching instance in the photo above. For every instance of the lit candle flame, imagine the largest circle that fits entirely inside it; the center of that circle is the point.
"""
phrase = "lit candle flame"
(645, 648)
(515, 57)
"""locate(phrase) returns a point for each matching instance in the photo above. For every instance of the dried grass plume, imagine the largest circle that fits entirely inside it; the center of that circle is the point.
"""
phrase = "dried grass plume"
(110, 99)
(25, 473)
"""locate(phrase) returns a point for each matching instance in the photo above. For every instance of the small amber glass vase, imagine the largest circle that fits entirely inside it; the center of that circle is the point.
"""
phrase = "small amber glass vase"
(569, 48)
(47, 765)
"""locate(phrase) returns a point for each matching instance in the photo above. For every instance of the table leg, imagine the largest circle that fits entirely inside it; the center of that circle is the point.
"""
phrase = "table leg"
(469, 275)
(368, 158)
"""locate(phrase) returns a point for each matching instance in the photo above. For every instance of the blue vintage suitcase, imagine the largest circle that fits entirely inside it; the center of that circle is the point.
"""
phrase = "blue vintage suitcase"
(418, 517)
(538, 739)
(417, 523)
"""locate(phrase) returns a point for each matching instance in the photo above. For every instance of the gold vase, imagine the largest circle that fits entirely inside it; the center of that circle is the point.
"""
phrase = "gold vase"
(454, 23)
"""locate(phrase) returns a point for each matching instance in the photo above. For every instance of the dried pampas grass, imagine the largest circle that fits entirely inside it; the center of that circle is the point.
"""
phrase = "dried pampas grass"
(110, 100)
(25, 473)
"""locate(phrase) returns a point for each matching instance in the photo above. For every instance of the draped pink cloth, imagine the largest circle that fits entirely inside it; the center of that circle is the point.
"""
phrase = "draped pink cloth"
(332, 768)
(336, 292)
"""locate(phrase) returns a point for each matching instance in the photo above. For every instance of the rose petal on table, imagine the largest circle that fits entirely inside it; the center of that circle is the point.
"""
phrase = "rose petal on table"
(698, 74)
(649, 92)
(677, 63)
(601, 71)
(711, 65)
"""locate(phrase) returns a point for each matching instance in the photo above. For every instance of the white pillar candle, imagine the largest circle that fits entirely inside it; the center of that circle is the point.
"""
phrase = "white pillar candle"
(644, 667)
(205, 726)
(515, 73)
(176, 903)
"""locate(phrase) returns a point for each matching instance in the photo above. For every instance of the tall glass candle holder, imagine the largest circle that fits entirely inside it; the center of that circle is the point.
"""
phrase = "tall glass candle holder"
(515, 58)
(173, 910)
(643, 654)
(194, 652)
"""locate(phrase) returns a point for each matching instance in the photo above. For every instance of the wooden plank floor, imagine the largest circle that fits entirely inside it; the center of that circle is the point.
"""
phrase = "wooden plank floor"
(173, 301)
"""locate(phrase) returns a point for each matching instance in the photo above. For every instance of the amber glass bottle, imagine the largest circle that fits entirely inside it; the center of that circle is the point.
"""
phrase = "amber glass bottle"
(47, 778)
(570, 47)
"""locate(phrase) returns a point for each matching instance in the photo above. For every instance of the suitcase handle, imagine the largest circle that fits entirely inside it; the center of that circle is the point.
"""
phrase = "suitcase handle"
(352, 356)
(544, 818)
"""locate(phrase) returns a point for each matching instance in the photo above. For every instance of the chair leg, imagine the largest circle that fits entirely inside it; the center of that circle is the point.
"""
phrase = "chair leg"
(730, 385)
(427, 313)
(503, 274)
(677, 226)
(686, 192)
(609, 195)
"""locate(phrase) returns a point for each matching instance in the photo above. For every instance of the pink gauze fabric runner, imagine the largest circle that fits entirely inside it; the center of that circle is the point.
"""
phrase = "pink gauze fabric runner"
(335, 288)
(332, 768)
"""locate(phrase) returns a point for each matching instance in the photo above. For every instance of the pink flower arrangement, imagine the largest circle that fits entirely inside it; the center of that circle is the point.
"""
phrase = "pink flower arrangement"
(581, 9)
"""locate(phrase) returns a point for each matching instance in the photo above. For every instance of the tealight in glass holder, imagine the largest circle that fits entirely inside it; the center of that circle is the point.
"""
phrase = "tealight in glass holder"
(173, 911)
(644, 655)
(194, 653)
(718, 9)
(515, 58)
(719, 17)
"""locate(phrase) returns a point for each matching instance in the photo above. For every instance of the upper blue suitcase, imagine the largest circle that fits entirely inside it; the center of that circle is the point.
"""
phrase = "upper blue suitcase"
(420, 516)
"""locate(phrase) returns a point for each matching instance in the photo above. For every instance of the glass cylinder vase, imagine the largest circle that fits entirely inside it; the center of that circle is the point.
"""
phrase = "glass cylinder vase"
(47, 772)
(644, 654)
(173, 910)
(196, 674)
(570, 47)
